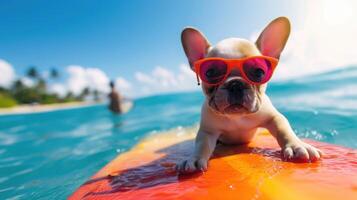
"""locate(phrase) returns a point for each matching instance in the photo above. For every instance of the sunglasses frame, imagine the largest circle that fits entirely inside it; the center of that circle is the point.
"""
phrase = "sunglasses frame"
(231, 64)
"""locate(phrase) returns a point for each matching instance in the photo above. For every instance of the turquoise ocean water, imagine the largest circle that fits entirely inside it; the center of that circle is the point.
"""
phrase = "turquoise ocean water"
(48, 155)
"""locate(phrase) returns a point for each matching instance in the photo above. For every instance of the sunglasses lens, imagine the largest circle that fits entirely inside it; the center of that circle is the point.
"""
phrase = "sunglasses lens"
(258, 70)
(213, 71)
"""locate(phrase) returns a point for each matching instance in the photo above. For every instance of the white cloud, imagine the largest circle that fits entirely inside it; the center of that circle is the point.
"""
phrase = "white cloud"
(59, 89)
(325, 40)
(81, 77)
(77, 80)
(187, 78)
(124, 86)
(164, 77)
(27, 81)
(7, 74)
(97, 79)
(122, 83)
(143, 78)
(161, 80)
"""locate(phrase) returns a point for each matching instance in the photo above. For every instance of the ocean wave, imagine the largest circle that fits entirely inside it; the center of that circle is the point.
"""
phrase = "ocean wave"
(69, 146)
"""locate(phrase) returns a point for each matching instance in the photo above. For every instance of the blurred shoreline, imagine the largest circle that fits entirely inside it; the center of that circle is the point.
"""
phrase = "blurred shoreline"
(38, 108)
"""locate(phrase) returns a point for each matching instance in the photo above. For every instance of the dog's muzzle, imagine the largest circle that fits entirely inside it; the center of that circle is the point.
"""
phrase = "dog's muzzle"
(236, 89)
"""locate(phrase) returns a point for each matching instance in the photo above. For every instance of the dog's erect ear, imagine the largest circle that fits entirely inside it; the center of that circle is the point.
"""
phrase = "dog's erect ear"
(194, 44)
(272, 40)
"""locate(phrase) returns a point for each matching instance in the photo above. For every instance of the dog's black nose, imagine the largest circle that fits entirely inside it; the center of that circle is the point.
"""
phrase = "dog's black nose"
(236, 91)
(235, 86)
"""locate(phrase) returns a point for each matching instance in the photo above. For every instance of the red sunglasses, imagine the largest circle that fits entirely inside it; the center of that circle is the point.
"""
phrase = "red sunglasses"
(255, 70)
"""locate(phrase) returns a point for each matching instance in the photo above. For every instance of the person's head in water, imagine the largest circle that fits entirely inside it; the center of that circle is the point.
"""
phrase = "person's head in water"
(112, 84)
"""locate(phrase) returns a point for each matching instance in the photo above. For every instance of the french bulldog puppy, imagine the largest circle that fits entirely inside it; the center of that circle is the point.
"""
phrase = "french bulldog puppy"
(234, 111)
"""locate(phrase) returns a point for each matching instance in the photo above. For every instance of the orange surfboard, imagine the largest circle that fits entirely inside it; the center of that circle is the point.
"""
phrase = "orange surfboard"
(253, 171)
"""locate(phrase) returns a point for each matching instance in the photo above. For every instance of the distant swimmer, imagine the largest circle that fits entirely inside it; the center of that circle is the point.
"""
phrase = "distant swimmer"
(115, 99)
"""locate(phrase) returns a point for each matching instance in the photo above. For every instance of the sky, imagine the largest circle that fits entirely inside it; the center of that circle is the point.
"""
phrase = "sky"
(137, 43)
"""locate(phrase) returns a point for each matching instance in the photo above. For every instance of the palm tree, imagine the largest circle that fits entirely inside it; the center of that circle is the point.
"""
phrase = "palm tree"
(85, 92)
(32, 72)
(18, 84)
(96, 95)
(41, 85)
(54, 73)
(69, 97)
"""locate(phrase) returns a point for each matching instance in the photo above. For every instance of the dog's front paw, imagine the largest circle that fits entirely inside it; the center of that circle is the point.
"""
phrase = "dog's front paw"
(301, 151)
(192, 165)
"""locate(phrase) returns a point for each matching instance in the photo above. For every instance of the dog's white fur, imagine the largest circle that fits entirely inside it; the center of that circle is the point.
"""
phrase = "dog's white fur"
(242, 126)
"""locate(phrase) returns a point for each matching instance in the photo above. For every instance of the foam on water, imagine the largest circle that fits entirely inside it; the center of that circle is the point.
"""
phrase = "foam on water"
(48, 155)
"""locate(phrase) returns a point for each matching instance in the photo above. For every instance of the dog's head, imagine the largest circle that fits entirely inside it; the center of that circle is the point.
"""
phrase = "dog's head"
(235, 95)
